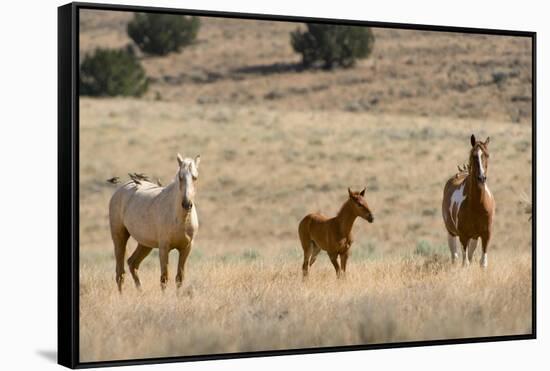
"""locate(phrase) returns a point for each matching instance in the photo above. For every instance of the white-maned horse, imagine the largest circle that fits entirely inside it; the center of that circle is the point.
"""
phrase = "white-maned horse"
(156, 217)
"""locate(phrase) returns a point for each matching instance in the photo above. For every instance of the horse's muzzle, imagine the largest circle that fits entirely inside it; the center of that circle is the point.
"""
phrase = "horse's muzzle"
(187, 205)
(370, 218)
(482, 179)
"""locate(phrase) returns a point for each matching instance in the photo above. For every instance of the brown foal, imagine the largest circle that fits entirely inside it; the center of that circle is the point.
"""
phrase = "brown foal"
(318, 232)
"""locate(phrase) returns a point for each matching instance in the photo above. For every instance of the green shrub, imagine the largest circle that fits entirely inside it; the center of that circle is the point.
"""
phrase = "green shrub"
(332, 45)
(424, 248)
(160, 34)
(250, 254)
(110, 72)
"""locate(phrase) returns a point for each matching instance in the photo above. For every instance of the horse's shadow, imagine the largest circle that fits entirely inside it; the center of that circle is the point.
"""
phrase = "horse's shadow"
(269, 69)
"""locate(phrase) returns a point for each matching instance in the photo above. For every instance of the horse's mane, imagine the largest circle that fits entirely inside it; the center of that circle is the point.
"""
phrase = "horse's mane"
(464, 168)
(341, 210)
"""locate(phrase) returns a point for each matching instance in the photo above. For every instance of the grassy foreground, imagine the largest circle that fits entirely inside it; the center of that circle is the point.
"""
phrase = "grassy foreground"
(255, 305)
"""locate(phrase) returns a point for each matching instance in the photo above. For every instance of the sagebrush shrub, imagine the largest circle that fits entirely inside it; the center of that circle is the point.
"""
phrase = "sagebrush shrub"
(111, 72)
(332, 45)
(160, 34)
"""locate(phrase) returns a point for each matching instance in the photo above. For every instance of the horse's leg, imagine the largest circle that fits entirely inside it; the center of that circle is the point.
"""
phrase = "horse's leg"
(451, 240)
(120, 238)
(464, 243)
(164, 250)
(334, 260)
(484, 244)
(183, 254)
(135, 260)
(316, 250)
(472, 245)
(343, 261)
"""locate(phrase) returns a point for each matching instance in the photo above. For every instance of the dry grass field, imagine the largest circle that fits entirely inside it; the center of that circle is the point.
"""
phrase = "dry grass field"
(277, 143)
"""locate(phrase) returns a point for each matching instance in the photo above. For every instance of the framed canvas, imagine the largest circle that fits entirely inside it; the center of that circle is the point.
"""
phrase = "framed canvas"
(208, 159)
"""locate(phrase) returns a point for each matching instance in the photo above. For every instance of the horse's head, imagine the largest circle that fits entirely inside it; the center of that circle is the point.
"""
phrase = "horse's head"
(360, 205)
(188, 174)
(479, 159)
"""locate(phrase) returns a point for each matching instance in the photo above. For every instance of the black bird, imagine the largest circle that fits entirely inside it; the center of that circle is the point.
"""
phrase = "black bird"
(134, 178)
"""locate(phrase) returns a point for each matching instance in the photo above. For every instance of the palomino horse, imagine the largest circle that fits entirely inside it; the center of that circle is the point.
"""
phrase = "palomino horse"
(332, 234)
(468, 206)
(157, 217)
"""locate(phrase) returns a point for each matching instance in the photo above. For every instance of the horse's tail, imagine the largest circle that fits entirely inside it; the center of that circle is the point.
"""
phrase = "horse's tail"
(303, 232)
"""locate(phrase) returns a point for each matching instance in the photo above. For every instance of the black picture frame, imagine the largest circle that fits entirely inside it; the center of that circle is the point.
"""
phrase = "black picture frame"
(68, 184)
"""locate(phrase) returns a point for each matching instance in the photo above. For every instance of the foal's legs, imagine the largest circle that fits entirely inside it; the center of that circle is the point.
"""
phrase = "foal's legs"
(164, 250)
(135, 260)
(451, 240)
(120, 238)
(334, 260)
(183, 254)
(343, 261)
(316, 250)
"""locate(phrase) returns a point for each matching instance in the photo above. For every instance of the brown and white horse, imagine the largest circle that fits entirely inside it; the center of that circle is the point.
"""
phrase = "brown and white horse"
(468, 206)
(332, 234)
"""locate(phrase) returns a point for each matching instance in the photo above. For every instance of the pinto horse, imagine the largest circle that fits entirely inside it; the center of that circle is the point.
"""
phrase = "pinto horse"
(333, 235)
(468, 206)
(157, 217)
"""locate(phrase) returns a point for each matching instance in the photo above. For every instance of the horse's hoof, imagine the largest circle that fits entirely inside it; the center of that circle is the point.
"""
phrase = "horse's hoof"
(483, 261)
(119, 286)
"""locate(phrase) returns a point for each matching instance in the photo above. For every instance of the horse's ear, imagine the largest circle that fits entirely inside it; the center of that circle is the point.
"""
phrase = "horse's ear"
(180, 159)
(473, 140)
(350, 192)
(362, 193)
(197, 161)
(487, 140)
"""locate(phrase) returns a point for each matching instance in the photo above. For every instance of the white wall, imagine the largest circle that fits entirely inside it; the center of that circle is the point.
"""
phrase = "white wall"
(28, 186)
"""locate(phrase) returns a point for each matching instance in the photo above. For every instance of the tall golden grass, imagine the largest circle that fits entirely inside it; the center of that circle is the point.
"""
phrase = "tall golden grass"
(241, 306)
